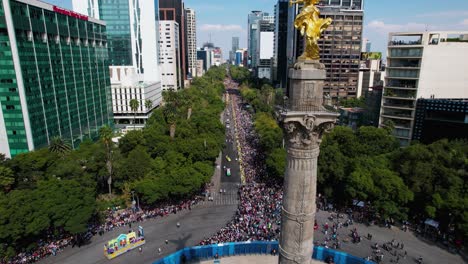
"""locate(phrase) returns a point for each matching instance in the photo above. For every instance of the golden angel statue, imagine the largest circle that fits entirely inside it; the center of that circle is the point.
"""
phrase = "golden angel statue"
(311, 26)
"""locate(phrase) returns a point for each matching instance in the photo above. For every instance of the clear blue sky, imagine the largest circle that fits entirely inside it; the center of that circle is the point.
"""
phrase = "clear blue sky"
(224, 19)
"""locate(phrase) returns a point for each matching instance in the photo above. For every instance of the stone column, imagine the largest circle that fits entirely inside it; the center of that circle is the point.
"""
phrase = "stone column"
(303, 124)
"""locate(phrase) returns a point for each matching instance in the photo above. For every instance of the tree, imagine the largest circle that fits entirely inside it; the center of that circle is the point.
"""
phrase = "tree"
(134, 105)
(59, 146)
(6, 178)
(148, 104)
(170, 112)
(276, 162)
(105, 134)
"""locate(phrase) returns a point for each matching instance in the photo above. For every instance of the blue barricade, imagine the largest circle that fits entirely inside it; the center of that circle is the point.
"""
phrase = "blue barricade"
(248, 248)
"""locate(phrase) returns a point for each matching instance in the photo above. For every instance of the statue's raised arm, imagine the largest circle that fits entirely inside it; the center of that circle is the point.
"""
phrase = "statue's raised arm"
(311, 26)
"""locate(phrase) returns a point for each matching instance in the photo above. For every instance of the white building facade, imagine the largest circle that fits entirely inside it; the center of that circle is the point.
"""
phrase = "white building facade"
(265, 47)
(422, 65)
(169, 54)
(191, 29)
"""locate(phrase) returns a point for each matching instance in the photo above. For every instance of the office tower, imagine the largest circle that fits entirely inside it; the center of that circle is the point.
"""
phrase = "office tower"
(253, 17)
(370, 73)
(235, 47)
(191, 29)
(54, 80)
(200, 70)
(169, 55)
(132, 32)
(340, 45)
(175, 10)
(366, 45)
(217, 56)
(437, 119)
(205, 56)
(265, 48)
(280, 65)
(239, 58)
(426, 65)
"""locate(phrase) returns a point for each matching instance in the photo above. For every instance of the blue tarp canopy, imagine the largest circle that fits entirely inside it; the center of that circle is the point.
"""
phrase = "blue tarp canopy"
(431, 222)
(358, 203)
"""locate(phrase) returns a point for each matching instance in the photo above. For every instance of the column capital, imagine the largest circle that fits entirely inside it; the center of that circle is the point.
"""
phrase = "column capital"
(304, 130)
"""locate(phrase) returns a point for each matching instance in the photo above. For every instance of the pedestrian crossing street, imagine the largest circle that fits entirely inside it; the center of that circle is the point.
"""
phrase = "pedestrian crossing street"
(230, 197)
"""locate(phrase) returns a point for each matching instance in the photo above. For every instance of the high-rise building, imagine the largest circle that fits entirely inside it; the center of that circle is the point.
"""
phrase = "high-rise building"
(235, 47)
(265, 48)
(280, 64)
(239, 57)
(340, 45)
(252, 33)
(425, 65)
(205, 56)
(366, 45)
(175, 10)
(200, 70)
(217, 57)
(370, 72)
(169, 55)
(191, 29)
(133, 46)
(54, 78)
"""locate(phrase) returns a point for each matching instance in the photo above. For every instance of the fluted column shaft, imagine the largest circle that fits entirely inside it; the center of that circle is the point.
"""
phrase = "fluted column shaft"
(298, 211)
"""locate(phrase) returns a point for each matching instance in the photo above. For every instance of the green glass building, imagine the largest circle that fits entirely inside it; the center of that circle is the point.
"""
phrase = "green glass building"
(54, 76)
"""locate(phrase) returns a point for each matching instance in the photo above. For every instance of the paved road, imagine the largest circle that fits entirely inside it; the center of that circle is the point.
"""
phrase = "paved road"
(202, 221)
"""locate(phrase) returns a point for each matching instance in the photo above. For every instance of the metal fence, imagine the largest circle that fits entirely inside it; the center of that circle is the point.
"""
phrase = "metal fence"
(249, 248)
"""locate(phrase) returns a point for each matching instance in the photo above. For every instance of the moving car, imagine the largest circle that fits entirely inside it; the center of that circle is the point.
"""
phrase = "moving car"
(228, 172)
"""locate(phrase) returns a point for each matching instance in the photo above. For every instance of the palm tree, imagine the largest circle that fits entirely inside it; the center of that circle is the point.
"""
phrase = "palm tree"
(105, 134)
(189, 105)
(134, 104)
(60, 146)
(148, 104)
(170, 112)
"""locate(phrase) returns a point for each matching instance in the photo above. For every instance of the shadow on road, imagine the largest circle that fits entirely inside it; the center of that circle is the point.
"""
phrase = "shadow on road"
(181, 242)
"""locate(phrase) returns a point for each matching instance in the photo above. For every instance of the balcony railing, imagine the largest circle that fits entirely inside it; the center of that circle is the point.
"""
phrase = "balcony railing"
(397, 114)
(403, 65)
(404, 42)
(411, 106)
(402, 84)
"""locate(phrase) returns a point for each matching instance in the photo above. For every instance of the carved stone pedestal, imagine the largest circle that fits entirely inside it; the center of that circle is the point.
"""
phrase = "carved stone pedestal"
(303, 124)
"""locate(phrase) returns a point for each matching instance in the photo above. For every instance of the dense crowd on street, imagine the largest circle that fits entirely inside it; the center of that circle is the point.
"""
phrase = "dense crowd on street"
(258, 216)
(114, 218)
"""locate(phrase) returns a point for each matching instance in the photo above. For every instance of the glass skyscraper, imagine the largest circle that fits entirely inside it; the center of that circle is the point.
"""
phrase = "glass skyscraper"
(116, 14)
(54, 77)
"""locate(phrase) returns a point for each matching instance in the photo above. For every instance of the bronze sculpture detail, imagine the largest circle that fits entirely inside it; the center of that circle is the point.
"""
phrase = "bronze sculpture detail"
(309, 23)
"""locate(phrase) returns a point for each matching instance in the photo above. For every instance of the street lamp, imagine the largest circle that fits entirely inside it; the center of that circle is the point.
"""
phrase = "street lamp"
(137, 202)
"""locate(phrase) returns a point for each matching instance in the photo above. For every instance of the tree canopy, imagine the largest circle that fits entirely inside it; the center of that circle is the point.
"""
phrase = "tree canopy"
(57, 189)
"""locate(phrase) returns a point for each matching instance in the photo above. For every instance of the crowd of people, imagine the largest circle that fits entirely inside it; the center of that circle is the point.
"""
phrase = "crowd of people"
(114, 218)
(258, 216)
